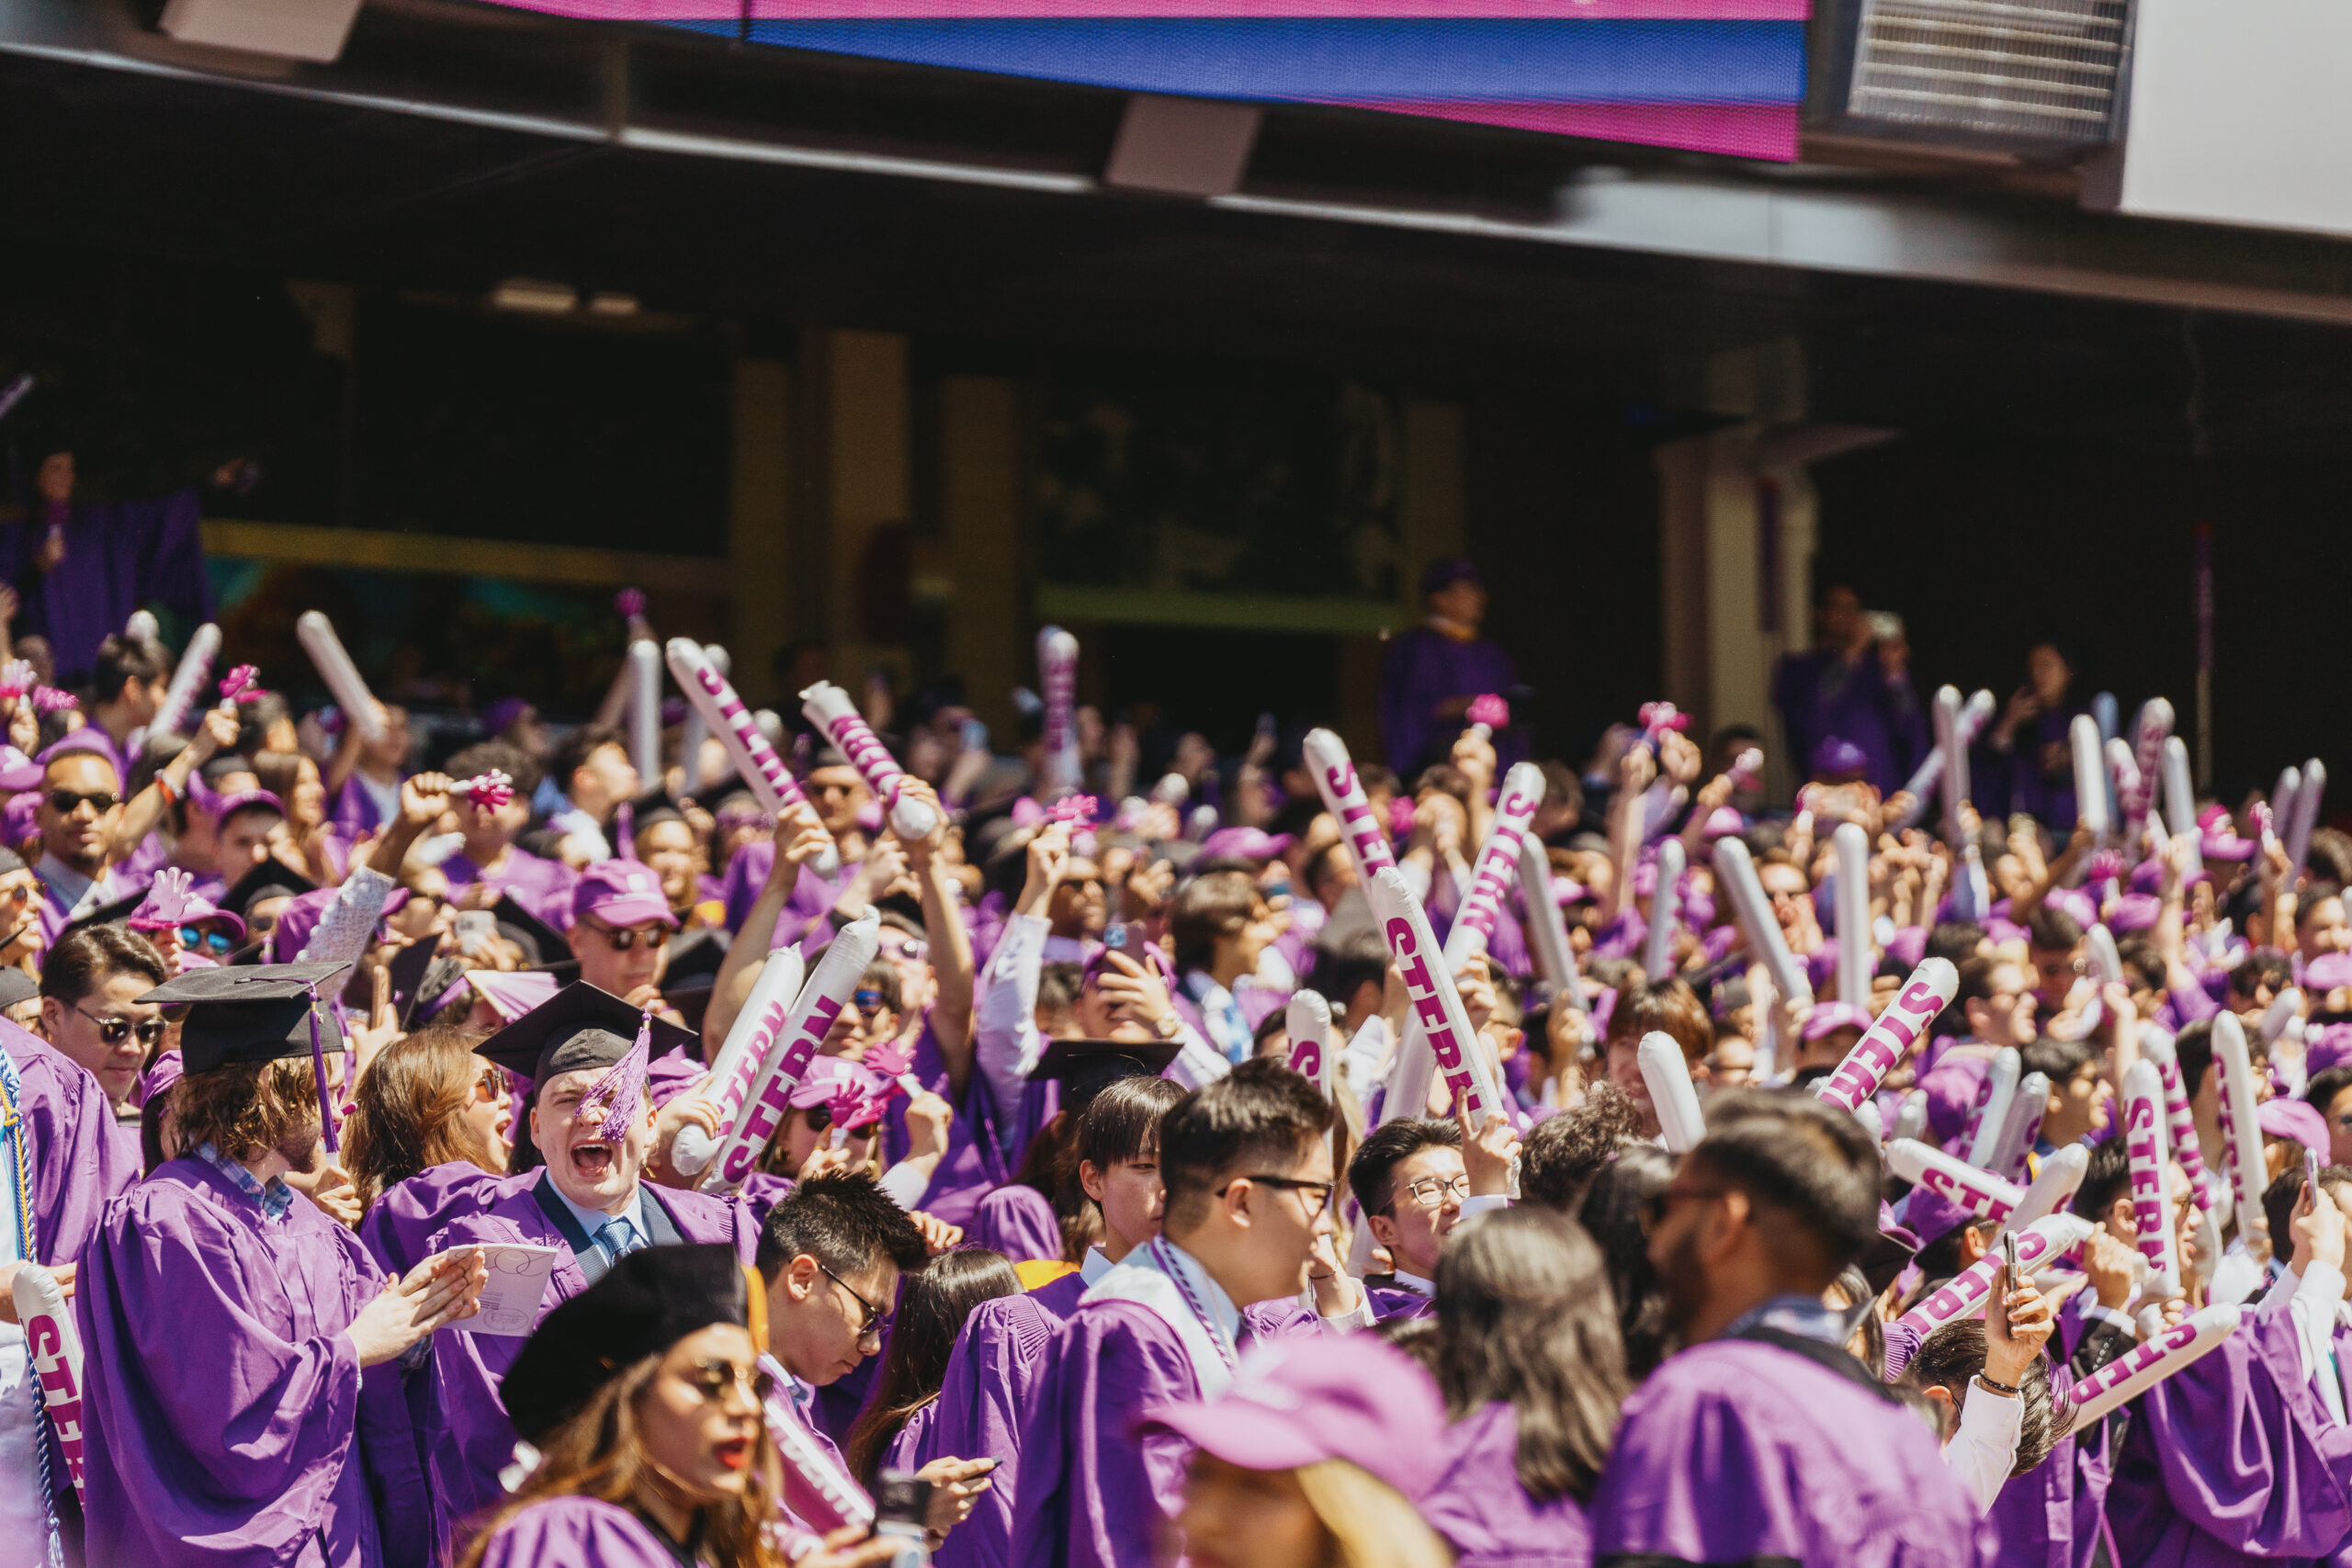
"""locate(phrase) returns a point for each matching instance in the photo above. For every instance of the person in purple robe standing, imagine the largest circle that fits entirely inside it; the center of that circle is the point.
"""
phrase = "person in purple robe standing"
(490, 858)
(1529, 1359)
(1247, 1175)
(79, 572)
(585, 1053)
(1765, 1439)
(643, 1396)
(1409, 1179)
(241, 1350)
(2245, 1454)
(900, 1419)
(1854, 683)
(830, 1255)
(1436, 669)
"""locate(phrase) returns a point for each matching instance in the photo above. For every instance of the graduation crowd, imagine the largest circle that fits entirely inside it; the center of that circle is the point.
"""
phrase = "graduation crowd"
(725, 1139)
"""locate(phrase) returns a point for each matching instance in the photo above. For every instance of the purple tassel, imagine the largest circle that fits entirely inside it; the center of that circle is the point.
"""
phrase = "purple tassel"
(319, 1066)
(625, 830)
(624, 1083)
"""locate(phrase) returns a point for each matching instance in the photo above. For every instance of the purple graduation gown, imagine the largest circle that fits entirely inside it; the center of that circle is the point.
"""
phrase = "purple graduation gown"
(577, 1532)
(1091, 1494)
(810, 901)
(119, 555)
(1395, 1301)
(81, 1157)
(1017, 1221)
(990, 1385)
(229, 1421)
(2235, 1457)
(541, 886)
(466, 1436)
(1480, 1506)
(1735, 1451)
(1425, 667)
(974, 1161)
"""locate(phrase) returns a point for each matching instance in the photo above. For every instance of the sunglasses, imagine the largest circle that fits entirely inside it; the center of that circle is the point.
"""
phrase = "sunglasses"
(65, 802)
(623, 941)
(867, 1003)
(712, 1380)
(193, 938)
(115, 1030)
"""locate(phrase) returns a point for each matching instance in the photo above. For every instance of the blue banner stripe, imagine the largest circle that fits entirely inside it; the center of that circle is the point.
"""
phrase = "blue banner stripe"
(1486, 59)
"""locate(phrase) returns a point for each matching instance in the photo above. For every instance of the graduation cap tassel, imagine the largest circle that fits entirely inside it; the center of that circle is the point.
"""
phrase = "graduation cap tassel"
(319, 1066)
(625, 1082)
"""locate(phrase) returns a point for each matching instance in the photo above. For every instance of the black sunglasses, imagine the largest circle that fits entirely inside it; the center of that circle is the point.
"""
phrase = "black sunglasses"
(622, 940)
(115, 1030)
(64, 801)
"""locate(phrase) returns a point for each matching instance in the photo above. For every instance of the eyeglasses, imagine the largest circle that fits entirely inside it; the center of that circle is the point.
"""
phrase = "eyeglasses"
(64, 802)
(115, 1030)
(1319, 1191)
(712, 1380)
(1431, 1191)
(872, 1322)
(623, 941)
(1656, 1205)
(195, 937)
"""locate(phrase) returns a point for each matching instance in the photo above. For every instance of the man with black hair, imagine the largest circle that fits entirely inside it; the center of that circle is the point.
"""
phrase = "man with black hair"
(1349, 972)
(1247, 1170)
(1409, 1178)
(1563, 1153)
(2081, 1096)
(128, 684)
(1764, 1437)
(591, 768)
(2330, 1091)
(2053, 949)
(490, 858)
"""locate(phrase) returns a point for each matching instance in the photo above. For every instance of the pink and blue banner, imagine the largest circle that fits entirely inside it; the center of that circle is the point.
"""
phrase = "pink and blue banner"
(1710, 76)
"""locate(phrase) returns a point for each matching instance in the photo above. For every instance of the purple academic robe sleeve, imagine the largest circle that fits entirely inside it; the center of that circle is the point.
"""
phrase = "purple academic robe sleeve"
(81, 1158)
(1735, 1451)
(1479, 1506)
(990, 1383)
(2233, 1457)
(576, 1532)
(246, 1454)
(1093, 1494)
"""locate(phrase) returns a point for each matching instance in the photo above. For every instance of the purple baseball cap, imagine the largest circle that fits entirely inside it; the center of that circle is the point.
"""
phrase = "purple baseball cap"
(238, 800)
(1723, 822)
(1910, 945)
(1952, 1090)
(1931, 1216)
(18, 770)
(1830, 1016)
(1299, 1402)
(2328, 971)
(2296, 1119)
(1837, 758)
(2329, 1046)
(2218, 838)
(621, 893)
(1244, 843)
(2134, 912)
(498, 715)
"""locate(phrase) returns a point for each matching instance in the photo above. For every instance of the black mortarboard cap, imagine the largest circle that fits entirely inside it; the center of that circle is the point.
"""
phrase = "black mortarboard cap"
(541, 943)
(16, 985)
(256, 1014)
(657, 807)
(106, 914)
(1087, 1067)
(257, 884)
(646, 1302)
(579, 1027)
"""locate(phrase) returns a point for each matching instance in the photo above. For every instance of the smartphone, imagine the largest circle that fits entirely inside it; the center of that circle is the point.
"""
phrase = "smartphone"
(472, 928)
(2008, 1266)
(901, 1503)
(2311, 1168)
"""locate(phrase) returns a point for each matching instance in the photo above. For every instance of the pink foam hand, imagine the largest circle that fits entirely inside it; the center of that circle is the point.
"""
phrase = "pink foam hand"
(1490, 710)
(167, 898)
(891, 1059)
(492, 791)
(48, 699)
(1074, 809)
(17, 678)
(238, 684)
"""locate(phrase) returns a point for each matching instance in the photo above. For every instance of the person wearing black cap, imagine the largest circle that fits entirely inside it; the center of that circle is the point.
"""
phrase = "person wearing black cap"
(1434, 670)
(585, 1051)
(228, 1326)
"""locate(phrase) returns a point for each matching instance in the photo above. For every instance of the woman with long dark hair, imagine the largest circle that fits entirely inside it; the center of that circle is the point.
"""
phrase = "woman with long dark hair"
(427, 1099)
(1532, 1371)
(1612, 1215)
(932, 1309)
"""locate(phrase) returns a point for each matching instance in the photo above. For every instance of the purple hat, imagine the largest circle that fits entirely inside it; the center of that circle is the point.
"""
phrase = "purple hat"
(172, 901)
(238, 800)
(2296, 1119)
(1444, 573)
(1837, 756)
(2134, 912)
(2074, 902)
(1820, 963)
(1931, 1216)
(2328, 971)
(498, 715)
(2328, 1046)
(1698, 909)
(2001, 929)
(18, 770)
(1910, 945)
(16, 819)
(1723, 822)
(1952, 1090)
(1830, 1016)
(88, 738)
(1299, 1402)
(296, 921)
(1243, 843)
(2219, 839)
(621, 893)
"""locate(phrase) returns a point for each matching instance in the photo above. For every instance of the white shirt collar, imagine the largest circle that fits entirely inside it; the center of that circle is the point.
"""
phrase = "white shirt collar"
(1414, 1283)
(593, 1220)
(1094, 1265)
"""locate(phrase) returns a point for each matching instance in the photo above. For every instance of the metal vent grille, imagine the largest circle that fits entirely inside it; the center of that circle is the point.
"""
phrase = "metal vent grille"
(2046, 70)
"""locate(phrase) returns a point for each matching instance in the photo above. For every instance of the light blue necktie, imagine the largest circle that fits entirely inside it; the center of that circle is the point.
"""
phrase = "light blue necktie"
(618, 1239)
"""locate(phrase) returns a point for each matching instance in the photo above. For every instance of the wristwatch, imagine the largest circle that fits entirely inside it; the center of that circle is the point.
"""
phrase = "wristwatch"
(1167, 1026)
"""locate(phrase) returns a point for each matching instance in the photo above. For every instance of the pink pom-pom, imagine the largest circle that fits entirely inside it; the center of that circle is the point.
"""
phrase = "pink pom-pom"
(1659, 717)
(237, 686)
(630, 602)
(491, 791)
(48, 699)
(17, 678)
(1073, 808)
(1490, 710)
(2106, 865)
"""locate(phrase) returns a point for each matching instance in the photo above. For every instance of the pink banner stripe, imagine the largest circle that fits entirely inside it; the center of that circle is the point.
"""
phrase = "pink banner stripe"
(1111, 10)
(1739, 130)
